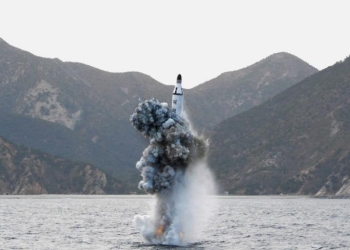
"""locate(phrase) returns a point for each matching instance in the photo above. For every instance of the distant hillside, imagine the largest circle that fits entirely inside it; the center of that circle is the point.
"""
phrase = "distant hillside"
(89, 105)
(27, 171)
(297, 142)
(82, 113)
(234, 92)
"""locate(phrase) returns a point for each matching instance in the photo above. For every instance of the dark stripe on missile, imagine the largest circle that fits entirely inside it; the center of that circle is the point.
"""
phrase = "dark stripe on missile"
(177, 94)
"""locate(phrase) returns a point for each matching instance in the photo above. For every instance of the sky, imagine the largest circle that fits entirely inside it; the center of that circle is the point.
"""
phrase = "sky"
(199, 39)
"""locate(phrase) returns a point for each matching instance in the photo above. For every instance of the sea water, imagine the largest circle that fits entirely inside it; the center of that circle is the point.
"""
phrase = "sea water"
(239, 222)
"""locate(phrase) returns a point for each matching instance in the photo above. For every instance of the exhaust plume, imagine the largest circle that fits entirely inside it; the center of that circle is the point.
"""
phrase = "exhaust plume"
(173, 169)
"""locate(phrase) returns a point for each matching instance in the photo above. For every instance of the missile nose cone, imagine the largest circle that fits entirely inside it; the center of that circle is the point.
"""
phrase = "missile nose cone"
(179, 79)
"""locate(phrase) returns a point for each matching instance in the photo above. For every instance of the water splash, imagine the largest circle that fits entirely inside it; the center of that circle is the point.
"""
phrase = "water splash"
(174, 170)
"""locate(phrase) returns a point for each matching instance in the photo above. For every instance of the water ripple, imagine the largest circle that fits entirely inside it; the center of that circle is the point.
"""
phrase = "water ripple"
(104, 222)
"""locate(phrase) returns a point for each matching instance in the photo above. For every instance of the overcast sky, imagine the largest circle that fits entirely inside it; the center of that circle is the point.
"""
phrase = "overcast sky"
(199, 39)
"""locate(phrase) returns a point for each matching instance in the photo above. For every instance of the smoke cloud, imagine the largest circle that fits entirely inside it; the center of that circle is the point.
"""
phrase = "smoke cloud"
(173, 169)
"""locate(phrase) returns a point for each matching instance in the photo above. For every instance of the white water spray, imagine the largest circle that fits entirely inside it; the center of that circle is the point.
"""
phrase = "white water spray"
(174, 170)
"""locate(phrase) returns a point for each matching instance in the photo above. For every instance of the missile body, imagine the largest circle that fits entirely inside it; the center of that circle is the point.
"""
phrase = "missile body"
(178, 96)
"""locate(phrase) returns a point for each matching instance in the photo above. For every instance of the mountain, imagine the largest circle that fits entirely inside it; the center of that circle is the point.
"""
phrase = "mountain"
(296, 142)
(234, 92)
(82, 113)
(89, 109)
(27, 171)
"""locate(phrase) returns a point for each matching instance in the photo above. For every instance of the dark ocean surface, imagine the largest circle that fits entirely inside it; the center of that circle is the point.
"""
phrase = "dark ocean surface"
(239, 222)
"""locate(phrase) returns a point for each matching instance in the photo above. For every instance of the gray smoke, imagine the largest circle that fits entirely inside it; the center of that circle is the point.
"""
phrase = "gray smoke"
(170, 167)
(172, 145)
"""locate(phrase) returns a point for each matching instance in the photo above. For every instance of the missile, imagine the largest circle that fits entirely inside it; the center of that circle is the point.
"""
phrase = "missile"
(178, 96)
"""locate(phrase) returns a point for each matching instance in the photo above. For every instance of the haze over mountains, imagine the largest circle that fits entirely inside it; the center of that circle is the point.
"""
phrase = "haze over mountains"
(27, 171)
(234, 92)
(296, 142)
(82, 113)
